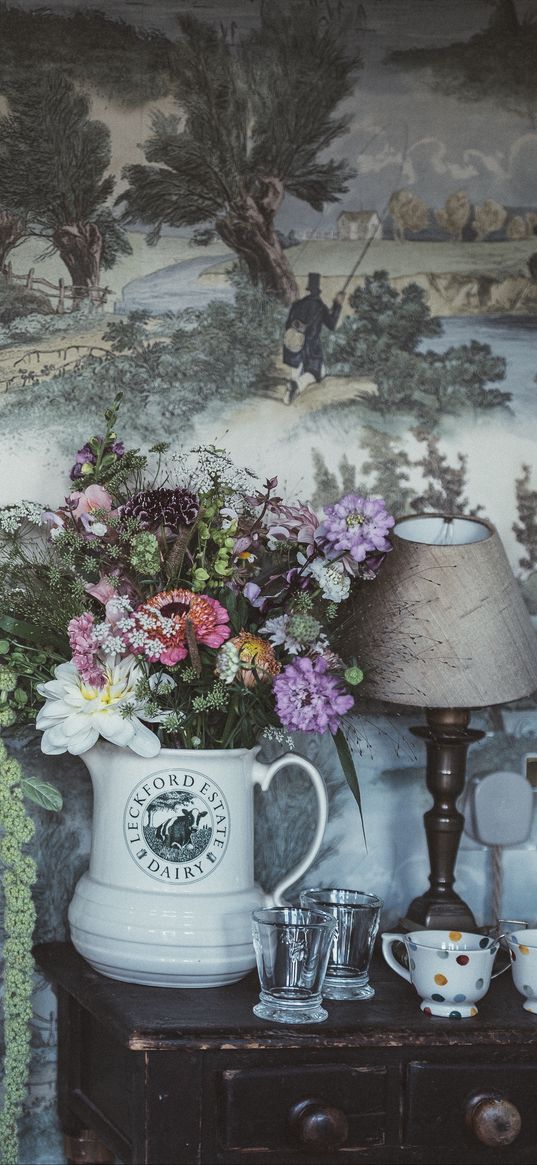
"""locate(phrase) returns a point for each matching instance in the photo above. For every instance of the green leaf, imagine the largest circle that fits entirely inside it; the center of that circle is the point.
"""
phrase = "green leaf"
(28, 632)
(349, 771)
(41, 793)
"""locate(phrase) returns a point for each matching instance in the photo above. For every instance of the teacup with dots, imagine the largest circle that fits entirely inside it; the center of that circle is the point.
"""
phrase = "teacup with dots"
(523, 951)
(450, 969)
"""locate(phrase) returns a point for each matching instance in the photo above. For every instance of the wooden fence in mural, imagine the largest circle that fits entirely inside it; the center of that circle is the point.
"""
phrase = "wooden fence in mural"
(54, 291)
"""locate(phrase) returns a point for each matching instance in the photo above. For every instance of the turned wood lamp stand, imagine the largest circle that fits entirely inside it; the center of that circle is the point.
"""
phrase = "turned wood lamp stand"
(447, 738)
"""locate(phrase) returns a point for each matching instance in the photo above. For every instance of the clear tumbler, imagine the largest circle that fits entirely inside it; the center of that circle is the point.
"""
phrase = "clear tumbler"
(357, 915)
(292, 946)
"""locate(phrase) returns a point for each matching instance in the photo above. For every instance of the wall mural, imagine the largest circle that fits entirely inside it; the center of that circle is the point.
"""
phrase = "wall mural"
(305, 231)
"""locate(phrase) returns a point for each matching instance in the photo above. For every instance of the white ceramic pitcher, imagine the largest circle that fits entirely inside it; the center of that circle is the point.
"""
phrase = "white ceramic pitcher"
(168, 896)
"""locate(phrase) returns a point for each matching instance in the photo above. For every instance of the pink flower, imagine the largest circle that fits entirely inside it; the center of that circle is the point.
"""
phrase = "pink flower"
(95, 497)
(158, 626)
(292, 524)
(103, 591)
(84, 648)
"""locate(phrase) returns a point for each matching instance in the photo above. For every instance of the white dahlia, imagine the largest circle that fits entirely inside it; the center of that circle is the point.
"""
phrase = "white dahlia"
(76, 714)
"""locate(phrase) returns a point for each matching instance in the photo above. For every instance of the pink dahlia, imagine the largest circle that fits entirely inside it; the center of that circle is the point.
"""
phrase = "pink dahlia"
(309, 698)
(158, 628)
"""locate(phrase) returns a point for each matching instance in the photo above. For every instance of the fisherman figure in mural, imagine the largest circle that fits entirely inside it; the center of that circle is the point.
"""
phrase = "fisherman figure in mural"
(302, 349)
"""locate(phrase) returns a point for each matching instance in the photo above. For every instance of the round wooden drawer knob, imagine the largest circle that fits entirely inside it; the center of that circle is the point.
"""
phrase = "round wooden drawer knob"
(318, 1125)
(493, 1119)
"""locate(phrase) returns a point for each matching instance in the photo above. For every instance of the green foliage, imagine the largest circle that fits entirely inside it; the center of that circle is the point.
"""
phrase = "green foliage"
(497, 64)
(525, 529)
(18, 874)
(17, 302)
(381, 339)
(389, 466)
(327, 487)
(383, 320)
(17, 879)
(116, 59)
(446, 483)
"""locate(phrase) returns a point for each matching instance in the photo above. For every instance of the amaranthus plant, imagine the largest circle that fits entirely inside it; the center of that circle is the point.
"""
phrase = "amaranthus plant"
(17, 874)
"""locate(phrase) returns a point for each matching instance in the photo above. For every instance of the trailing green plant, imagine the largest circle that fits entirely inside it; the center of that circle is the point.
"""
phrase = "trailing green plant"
(17, 876)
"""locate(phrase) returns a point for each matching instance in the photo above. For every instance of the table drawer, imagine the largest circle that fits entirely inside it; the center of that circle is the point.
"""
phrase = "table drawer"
(438, 1096)
(260, 1108)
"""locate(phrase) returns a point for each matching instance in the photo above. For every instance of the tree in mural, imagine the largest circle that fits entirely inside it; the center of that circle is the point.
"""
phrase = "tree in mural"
(497, 64)
(13, 231)
(53, 162)
(251, 124)
(445, 483)
(409, 213)
(488, 218)
(455, 214)
(525, 529)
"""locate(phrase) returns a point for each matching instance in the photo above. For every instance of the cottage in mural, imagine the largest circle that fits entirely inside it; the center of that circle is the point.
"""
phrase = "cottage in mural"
(359, 224)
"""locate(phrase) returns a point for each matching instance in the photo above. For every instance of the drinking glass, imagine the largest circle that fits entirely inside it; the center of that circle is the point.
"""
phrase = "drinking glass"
(292, 946)
(357, 915)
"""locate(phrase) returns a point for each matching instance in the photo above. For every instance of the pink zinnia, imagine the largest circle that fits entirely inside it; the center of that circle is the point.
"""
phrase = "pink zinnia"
(159, 625)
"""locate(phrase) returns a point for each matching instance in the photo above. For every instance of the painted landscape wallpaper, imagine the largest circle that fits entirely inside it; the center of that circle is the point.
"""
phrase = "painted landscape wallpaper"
(174, 176)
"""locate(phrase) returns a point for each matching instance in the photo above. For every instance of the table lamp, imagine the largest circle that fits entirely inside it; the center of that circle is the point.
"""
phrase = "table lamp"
(444, 628)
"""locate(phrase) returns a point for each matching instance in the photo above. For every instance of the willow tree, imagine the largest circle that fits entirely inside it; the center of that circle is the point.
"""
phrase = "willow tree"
(253, 123)
(53, 176)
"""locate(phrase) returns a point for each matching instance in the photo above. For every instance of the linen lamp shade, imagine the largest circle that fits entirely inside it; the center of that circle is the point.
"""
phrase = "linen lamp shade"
(445, 624)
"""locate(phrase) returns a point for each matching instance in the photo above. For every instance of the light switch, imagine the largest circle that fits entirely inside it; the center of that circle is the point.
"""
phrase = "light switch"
(498, 808)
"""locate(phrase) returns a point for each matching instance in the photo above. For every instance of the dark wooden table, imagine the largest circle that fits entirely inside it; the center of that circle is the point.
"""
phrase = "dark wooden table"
(173, 1077)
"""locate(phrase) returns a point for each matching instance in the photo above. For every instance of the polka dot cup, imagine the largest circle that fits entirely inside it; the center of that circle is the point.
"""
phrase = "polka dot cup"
(450, 969)
(523, 951)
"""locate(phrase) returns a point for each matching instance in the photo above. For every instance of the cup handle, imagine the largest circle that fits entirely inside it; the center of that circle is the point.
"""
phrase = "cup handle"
(387, 942)
(502, 969)
(262, 775)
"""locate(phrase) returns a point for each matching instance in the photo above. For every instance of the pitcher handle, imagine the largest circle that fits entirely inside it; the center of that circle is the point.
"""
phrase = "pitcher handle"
(262, 775)
(387, 942)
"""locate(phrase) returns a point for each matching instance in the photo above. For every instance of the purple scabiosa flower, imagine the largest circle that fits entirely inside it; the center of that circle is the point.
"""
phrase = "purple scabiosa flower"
(309, 698)
(354, 528)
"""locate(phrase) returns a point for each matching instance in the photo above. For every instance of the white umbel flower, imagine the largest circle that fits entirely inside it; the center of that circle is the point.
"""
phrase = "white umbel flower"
(76, 714)
(334, 583)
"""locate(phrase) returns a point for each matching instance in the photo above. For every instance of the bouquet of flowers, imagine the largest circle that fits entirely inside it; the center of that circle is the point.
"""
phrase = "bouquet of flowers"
(178, 601)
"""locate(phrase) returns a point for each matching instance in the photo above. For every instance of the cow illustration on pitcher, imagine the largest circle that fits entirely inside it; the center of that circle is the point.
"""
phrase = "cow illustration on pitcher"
(177, 825)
